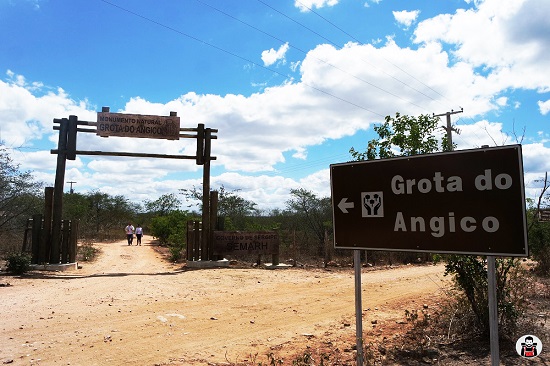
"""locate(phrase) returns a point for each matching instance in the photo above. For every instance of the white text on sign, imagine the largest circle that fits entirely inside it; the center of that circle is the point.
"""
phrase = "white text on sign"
(439, 225)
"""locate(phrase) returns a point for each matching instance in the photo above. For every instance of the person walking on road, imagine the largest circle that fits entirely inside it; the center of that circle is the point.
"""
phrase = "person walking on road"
(139, 234)
(129, 233)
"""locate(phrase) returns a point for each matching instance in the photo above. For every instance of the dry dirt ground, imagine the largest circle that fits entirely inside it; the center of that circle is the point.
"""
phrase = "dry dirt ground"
(131, 307)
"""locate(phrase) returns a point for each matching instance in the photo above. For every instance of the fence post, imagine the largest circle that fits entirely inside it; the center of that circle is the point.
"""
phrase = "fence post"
(26, 247)
(36, 239)
(190, 241)
(213, 224)
(73, 239)
(198, 241)
(65, 241)
(46, 237)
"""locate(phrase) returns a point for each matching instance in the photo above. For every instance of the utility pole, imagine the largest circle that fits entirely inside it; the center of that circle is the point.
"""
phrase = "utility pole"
(449, 127)
(71, 189)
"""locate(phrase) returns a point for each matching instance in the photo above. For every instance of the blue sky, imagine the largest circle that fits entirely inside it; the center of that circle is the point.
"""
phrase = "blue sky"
(290, 85)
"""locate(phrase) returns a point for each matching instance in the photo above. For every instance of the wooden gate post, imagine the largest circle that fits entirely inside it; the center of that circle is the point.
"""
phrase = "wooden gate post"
(58, 191)
(206, 246)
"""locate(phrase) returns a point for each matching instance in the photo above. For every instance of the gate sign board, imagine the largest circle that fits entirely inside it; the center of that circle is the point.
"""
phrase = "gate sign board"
(137, 125)
(464, 202)
(246, 242)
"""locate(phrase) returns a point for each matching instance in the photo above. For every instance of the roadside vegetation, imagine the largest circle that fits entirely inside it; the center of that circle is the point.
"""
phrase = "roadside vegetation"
(305, 231)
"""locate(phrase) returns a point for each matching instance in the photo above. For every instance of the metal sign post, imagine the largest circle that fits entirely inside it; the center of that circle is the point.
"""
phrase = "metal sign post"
(358, 307)
(493, 310)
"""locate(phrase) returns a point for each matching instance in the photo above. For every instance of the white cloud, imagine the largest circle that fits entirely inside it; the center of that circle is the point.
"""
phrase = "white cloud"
(367, 5)
(481, 133)
(307, 5)
(536, 158)
(271, 56)
(509, 39)
(406, 18)
(28, 110)
(300, 153)
(295, 65)
(544, 107)
(501, 101)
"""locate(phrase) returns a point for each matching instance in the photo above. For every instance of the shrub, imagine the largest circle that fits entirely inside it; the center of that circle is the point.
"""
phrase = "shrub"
(87, 252)
(470, 277)
(18, 263)
(539, 239)
(170, 229)
(175, 251)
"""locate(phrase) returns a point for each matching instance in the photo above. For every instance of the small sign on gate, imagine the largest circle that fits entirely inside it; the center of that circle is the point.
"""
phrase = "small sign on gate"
(138, 125)
(544, 215)
(246, 242)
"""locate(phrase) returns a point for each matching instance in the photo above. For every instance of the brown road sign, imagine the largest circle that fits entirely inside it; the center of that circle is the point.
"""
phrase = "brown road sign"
(138, 125)
(465, 202)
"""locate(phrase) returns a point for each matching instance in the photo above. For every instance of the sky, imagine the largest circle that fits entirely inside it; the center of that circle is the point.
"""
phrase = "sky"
(290, 85)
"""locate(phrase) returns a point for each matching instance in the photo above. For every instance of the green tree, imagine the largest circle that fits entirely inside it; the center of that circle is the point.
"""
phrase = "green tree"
(101, 216)
(403, 136)
(108, 215)
(170, 229)
(75, 206)
(316, 213)
(20, 198)
(539, 231)
(236, 210)
(163, 205)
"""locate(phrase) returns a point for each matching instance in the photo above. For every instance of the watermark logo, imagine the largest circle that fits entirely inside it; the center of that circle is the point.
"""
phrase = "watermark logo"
(528, 346)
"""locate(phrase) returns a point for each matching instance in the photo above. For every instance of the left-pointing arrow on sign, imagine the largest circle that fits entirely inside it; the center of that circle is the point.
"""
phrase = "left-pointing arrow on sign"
(344, 205)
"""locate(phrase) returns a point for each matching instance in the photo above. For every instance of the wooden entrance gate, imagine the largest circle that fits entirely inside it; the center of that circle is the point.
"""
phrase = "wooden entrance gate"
(125, 125)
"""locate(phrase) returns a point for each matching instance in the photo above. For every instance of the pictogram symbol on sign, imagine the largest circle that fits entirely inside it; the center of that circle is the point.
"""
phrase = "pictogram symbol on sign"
(372, 204)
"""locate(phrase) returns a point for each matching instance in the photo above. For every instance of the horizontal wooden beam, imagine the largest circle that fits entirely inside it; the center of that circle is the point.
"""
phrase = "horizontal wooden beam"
(186, 136)
(89, 123)
(137, 155)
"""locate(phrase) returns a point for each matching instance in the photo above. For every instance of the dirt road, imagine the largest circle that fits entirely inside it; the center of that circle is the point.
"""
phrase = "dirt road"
(130, 307)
